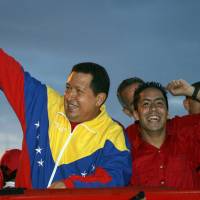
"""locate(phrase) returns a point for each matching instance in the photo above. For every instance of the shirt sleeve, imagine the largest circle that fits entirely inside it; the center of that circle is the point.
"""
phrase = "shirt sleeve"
(187, 129)
(21, 90)
(12, 84)
(184, 121)
(194, 140)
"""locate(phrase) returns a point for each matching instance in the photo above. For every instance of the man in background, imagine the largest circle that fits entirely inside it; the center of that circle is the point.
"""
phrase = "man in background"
(125, 93)
(192, 105)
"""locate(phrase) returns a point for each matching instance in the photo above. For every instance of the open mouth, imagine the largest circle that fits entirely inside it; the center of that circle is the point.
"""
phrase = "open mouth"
(71, 106)
(153, 118)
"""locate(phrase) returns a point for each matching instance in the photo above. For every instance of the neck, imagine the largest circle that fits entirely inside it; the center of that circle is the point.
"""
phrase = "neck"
(155, 138)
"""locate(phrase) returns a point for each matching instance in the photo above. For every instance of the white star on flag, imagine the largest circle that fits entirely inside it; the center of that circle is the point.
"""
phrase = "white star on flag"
(37, 125)
(40, 163)
(38, 150)
(84, 174)
(93, 167)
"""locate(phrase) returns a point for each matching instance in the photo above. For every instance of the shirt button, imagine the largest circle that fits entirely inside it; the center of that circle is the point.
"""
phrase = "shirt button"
(161, 166)
(162, 182)
(158, 151)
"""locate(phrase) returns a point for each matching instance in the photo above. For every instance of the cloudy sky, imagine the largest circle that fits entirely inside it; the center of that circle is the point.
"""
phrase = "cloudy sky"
(152, 39)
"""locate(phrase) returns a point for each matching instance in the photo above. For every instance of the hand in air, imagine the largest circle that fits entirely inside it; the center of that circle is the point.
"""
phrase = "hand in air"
(180, 88)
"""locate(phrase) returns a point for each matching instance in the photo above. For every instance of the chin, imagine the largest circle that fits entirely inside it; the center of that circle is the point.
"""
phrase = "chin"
(70, 117)
(155, 128)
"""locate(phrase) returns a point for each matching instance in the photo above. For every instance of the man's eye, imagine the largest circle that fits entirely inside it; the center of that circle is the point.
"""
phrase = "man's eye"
(160, 103)
(145, 104)
(79, 91)
(67, 87)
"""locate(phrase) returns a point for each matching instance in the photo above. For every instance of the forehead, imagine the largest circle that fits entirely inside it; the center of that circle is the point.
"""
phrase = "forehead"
(128, 91)
(79, 79)
(151, 94)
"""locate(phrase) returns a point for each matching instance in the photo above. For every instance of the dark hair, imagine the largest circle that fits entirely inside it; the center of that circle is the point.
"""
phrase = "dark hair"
(100, 79)
(146, 85)
(196, 85)
(125, 83)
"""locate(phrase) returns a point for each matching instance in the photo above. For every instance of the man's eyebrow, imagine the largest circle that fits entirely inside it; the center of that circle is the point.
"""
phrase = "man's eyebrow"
(158, 98)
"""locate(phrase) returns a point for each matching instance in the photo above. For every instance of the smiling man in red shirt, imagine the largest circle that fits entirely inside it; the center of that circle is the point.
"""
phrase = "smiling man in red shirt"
(165, 152)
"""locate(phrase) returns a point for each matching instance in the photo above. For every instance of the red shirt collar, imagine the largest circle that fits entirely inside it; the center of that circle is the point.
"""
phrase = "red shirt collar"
(138, 141)
(73, 125)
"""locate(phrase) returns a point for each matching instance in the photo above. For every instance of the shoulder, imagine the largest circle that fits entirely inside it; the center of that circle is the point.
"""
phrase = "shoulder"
(132, 128)
(116, 134)
(178, 122)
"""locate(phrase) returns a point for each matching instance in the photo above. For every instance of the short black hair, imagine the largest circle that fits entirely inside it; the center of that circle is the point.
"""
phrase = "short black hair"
(146, 85)
(100, 79)
(196, 84)
(125, 83)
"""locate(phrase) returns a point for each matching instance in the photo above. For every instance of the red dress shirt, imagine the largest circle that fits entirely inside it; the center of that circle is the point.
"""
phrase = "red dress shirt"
(175, 163)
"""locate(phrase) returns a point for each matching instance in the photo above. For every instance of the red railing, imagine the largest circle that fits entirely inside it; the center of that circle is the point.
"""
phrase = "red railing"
(104, 194)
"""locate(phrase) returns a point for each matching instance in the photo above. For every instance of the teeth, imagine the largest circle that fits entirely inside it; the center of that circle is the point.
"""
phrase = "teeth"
(154, 118)
(70, 105)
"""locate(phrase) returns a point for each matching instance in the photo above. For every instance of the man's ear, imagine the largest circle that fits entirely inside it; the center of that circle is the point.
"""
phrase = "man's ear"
(101, 97)
(127, 111)
(186, 104)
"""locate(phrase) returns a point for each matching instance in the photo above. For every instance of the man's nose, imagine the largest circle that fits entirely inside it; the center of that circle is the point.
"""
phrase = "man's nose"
(152, 106)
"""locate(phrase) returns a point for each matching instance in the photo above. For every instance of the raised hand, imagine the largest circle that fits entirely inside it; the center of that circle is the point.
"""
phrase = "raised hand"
(57, 185)
(180, 88)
